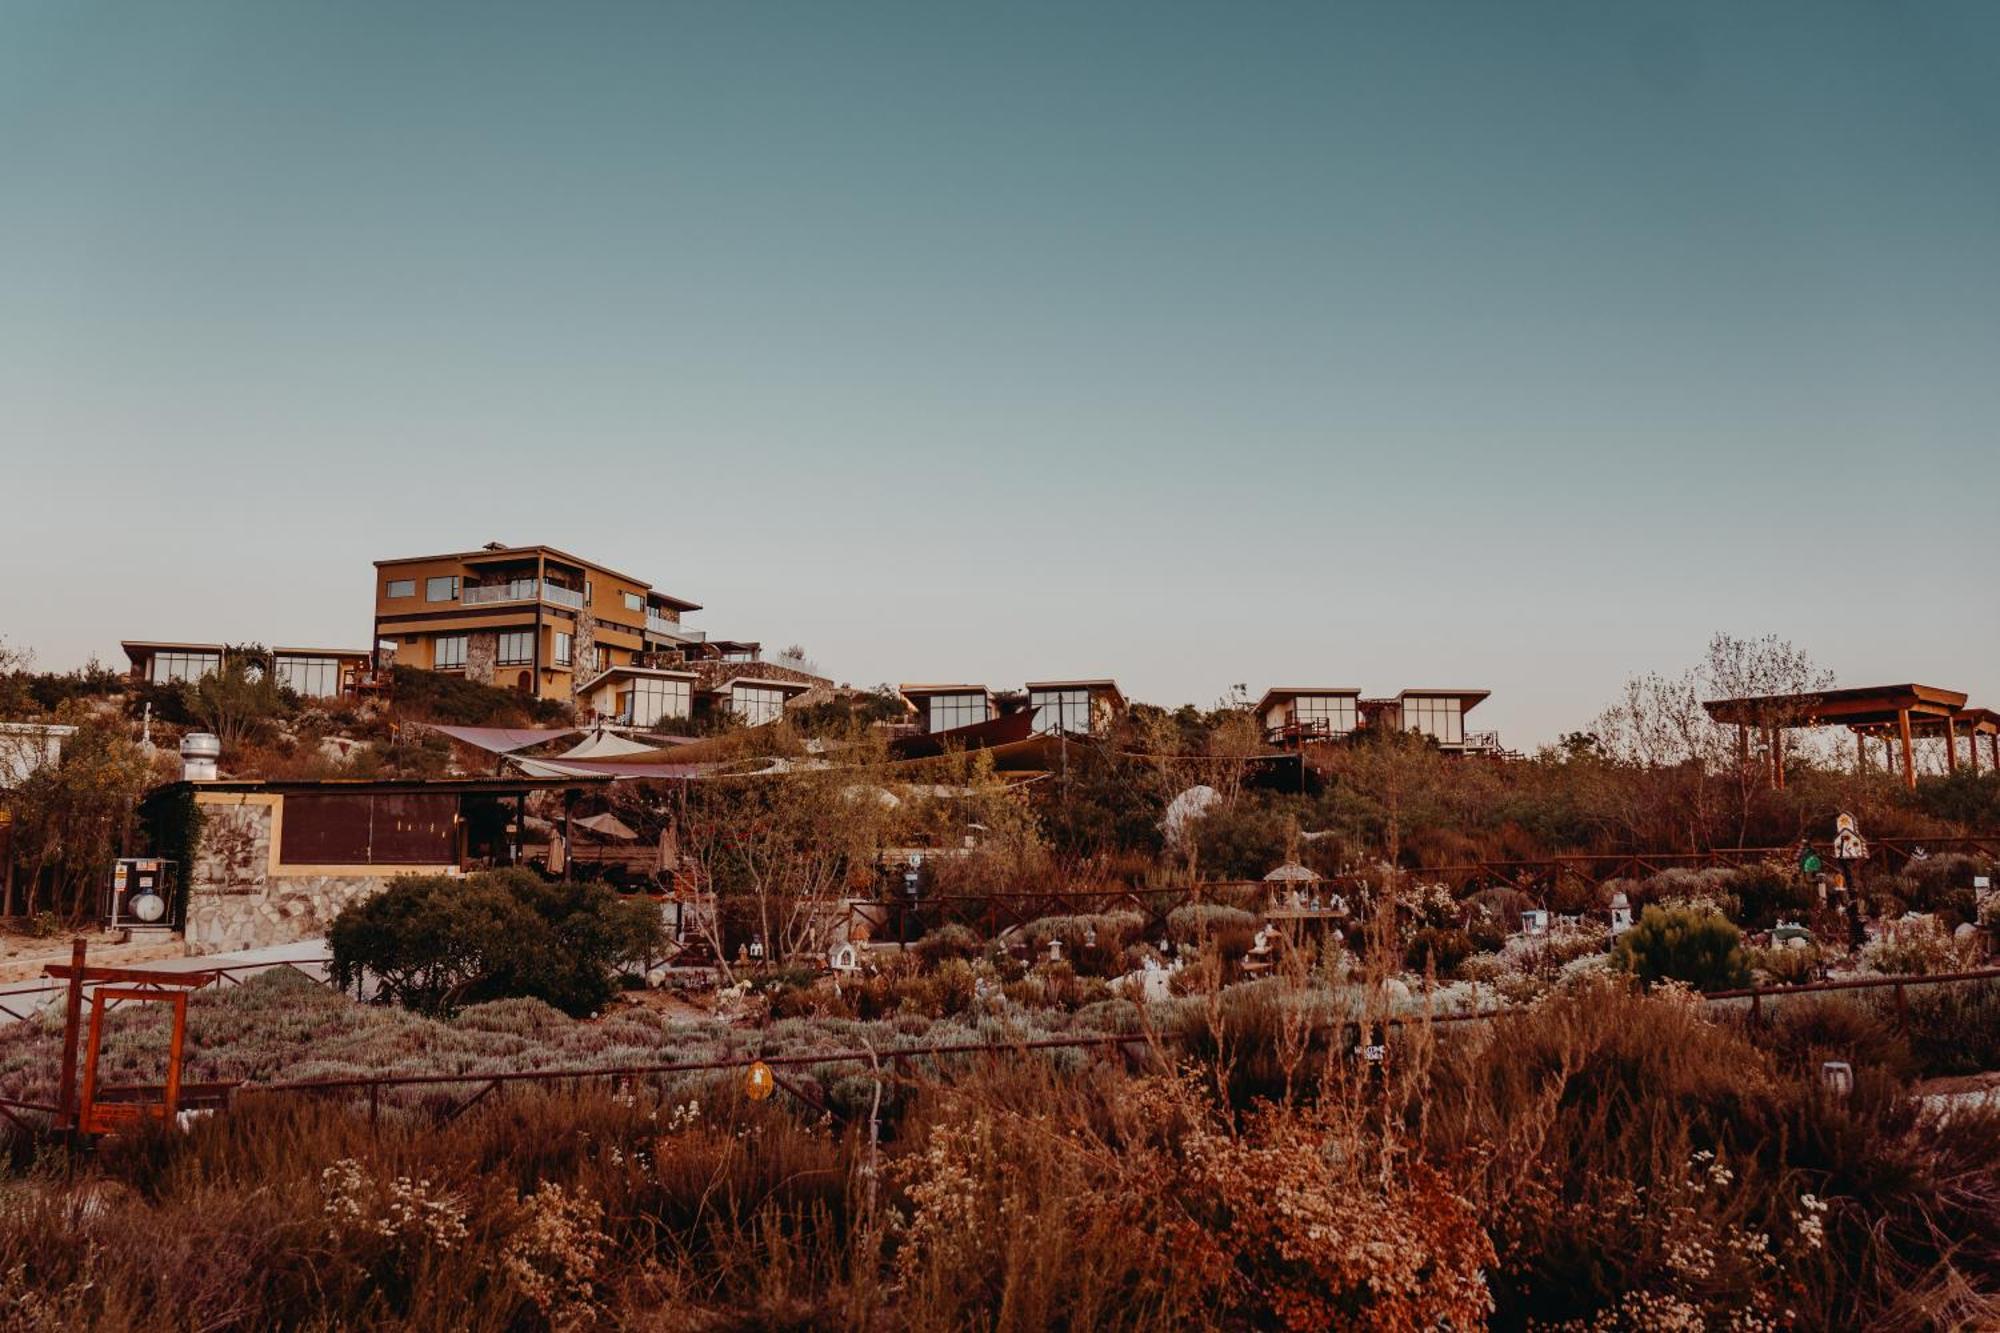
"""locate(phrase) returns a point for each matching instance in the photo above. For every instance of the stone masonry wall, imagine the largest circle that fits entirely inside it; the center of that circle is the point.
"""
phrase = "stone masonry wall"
(482, 648)
(234, 902)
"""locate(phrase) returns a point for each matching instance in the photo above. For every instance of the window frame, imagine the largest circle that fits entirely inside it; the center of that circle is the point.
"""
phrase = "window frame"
(523, 641)
(430, 587)
(437, 651)
(409, 587)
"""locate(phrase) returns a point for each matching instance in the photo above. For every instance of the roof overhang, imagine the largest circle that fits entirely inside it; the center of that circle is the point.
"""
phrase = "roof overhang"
(1467, 699)
(1278, 693)
(1856, 706)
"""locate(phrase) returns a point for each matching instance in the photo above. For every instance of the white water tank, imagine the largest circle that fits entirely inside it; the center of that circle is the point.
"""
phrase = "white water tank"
(200, 753)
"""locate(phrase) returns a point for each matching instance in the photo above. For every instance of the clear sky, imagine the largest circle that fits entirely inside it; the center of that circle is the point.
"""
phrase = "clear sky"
(1507, 345)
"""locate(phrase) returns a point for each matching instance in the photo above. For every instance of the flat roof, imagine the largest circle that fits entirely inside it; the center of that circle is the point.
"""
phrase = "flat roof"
(1295, 691)
(666, 673)
(1851, 705)
(798, 687)
(1468, 699)
(540, 548)
(366, 786)
(922, 691)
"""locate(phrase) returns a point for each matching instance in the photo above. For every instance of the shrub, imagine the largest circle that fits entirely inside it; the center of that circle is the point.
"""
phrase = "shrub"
(1766, 892)
(1702, 949)
(1918, 947)
(1439, 951)
(949, 941)
(433, 942)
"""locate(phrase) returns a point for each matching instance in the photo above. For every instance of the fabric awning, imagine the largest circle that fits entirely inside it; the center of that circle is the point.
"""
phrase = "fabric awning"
(502, 740)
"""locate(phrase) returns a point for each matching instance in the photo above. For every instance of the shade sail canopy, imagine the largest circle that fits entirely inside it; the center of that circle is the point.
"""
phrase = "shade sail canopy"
(502, 740)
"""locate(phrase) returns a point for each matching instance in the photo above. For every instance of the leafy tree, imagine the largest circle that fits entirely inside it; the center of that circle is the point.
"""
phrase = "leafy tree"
(238, 700)
(70, 817)
(433, 942)
(1700, 948)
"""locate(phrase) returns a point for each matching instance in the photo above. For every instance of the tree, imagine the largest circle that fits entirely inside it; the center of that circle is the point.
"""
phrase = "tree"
(1705, 768)
(70, 817)
(1703, 949)
(435, 942)
(779, 849)
(236, 700)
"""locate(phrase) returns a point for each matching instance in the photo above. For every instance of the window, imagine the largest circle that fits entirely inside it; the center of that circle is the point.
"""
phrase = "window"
(175, 667)
(517, 648)
(950, 711)
(308, 677)
(757, 704)
(447, 652)
(562, 648)
(402, 588)
(442, 588)
(650, 700)
(600, 657)
(1441, 719)
(1324, 714)
(633, 601)
(1061, 711)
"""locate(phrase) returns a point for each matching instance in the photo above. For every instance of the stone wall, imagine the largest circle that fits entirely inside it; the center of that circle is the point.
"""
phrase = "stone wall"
(482, 648)
(234, 902)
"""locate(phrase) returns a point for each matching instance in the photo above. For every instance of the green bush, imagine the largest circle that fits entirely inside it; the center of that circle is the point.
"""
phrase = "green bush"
(1441, 951)
(434, 943)
(1702, 949)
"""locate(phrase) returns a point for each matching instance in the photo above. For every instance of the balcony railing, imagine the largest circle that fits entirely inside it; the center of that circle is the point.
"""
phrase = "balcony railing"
(515, 590)
(673, 629)
(521, 590)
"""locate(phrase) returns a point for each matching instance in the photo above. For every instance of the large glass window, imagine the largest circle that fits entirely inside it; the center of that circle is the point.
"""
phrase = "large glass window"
(175, 667)
(448, 651)
(650, 700)
(402, 587)
(757, 704)
(517, 648)
(1442, 719)
(1061, 711)
(1324, 714)
(308, 677)
(633, 601)
(950, 711)
(563, 642)
(442, 588)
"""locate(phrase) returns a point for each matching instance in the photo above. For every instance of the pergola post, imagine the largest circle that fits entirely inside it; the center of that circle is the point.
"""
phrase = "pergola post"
(1860, 754)
(1972, 749)
(1909, 759)
(1778, 758)
(1950, 745)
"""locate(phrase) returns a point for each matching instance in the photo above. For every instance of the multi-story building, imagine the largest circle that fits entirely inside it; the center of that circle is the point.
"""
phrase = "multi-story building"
(527, 618)
(1295, 714)
(552, 625)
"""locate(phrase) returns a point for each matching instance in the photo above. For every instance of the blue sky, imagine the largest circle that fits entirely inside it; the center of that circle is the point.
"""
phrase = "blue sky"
(1517, 346)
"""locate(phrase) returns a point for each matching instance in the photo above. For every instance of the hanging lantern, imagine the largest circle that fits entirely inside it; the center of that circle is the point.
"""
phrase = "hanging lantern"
(759, 1082)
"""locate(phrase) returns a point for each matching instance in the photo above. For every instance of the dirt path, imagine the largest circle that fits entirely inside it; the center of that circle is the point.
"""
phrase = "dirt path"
(22, 957)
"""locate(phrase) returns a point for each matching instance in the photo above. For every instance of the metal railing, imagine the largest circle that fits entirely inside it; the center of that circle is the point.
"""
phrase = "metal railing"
(521, 590)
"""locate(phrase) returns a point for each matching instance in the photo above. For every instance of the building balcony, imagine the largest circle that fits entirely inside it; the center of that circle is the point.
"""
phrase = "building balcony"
(521, 590)
(673, 629)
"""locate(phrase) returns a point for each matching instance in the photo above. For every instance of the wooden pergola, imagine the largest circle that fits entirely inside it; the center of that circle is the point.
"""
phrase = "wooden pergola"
(1898, 714)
